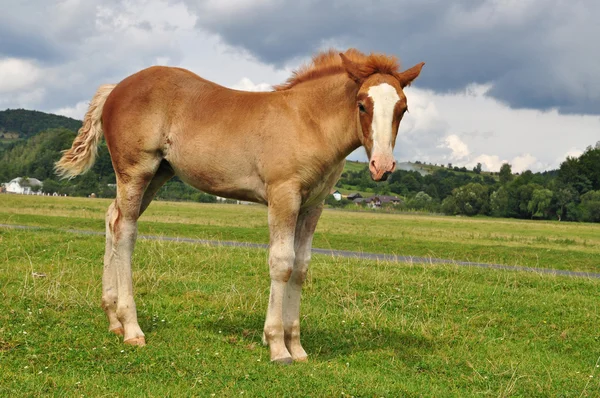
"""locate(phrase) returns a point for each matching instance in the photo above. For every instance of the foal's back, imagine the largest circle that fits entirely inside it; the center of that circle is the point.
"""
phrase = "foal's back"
(214, 138)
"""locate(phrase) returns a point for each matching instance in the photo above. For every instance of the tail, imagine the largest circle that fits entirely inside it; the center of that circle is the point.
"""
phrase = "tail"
(82, 154)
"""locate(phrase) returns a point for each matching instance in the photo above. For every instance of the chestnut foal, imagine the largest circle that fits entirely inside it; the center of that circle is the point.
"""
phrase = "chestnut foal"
(284, 149)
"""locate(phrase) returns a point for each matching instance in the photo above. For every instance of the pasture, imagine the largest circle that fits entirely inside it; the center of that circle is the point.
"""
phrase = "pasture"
(370, 328)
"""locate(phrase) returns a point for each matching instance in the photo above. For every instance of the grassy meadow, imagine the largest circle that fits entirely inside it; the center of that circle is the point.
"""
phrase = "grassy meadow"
(371, 328)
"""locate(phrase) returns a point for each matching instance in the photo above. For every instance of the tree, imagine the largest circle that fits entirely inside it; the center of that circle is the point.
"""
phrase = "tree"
(477, 169)
(589, 163)
(205, 198)
(411, 183)
(540, 202)
(432, 191)
(522, 196)
(499, 202)
(471, 199)
(571, 173)
(590, 206)
(505, 174)
(449, 206)
(51, 186)
(562, 197)
(420, 201)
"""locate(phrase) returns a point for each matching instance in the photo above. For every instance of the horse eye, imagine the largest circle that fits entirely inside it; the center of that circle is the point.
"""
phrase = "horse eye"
(361, 108)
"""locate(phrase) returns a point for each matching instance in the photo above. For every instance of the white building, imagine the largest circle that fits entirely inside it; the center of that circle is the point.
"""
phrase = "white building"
(24, 186)
(337, 195)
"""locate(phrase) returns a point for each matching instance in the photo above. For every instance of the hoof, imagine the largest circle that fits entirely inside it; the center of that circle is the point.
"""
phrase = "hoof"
(301, 359)
(139, 341)
(283, 361)
(118, 331)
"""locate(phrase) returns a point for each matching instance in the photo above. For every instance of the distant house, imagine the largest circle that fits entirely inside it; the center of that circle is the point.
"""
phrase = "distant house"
(354, 196)
(379, 200)
(24, 186)
(337, 195)
(389, 199)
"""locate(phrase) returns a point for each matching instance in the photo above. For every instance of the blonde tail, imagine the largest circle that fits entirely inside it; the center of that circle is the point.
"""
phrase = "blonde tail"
(82, 154)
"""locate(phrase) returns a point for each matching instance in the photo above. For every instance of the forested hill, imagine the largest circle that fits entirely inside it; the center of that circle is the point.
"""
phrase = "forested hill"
(23, 124)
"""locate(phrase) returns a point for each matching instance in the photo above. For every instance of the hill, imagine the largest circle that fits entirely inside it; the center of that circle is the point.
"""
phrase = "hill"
(18, 124)
(411, 178)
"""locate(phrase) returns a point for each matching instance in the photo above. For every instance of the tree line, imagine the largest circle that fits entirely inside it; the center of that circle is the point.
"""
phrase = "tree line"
(570, 193)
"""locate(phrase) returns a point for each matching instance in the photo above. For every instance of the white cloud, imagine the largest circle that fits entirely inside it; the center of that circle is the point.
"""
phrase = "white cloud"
(76, 112)
(488, 162)
(525, 162)
(17, 74)
(247, 85)
(459, 149)
(573, 152)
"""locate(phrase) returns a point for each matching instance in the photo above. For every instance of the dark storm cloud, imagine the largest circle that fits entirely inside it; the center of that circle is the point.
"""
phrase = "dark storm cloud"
(77, 45)
(537, 53)
(25, 45)
(45, 30)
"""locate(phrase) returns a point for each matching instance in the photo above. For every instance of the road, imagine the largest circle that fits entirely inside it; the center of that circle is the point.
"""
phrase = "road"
(342, 253)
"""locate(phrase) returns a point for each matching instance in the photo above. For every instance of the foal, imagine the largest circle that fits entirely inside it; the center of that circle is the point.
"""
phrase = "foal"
(284, 149)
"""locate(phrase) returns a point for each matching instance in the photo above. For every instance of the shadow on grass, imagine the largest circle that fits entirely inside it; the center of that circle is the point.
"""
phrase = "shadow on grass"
(332, 343)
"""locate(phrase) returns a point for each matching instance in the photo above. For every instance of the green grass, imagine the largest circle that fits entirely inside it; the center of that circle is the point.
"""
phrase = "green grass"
(544, 244)
(370, 328)
(354, 166)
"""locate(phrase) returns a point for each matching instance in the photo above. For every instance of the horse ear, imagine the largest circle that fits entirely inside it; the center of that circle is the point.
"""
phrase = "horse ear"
(352, 69)
(406, 78)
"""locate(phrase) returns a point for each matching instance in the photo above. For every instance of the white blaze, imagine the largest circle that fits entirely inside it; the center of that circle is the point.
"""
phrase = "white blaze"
(384, 98)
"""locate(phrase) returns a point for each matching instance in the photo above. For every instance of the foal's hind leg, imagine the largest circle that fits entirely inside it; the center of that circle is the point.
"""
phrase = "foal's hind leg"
(131, 188)
(123, 226)
(109, 278)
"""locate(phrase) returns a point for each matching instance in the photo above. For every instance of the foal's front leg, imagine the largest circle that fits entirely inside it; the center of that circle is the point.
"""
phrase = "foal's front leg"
(305, 229)
(283, 215)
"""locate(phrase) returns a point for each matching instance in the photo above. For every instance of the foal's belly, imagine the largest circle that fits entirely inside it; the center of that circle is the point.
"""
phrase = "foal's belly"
(219, 174)
(240, 188)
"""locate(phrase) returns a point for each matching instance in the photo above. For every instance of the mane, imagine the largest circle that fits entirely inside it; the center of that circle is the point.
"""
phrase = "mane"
(328, 63)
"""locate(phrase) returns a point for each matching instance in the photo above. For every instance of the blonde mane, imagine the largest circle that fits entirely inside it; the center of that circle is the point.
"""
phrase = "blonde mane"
(328, 63)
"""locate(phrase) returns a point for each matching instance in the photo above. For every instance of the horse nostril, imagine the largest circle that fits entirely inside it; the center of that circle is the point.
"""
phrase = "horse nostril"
(394, 165)
(385, 175)
(373, 164)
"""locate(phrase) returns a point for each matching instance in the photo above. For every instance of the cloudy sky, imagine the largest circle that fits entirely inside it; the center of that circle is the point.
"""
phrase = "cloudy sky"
(505, 80)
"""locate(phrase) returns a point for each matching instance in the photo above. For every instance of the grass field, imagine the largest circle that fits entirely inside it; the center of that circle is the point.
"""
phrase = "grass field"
(370, 328)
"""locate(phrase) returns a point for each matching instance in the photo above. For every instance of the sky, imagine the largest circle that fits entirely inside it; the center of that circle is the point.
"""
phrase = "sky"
(514, 81)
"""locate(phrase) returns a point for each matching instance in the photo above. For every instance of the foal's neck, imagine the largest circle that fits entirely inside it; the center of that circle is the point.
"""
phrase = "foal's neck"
(331, 102)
